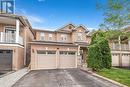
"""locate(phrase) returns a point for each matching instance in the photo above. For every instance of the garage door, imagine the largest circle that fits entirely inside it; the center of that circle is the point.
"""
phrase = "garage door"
(115, 59)
(125, 60)
(67, 59)
(5, 60)
(46, 59)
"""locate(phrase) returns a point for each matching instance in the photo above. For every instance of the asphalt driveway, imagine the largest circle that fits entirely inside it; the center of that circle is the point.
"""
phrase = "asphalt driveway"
(61, 78)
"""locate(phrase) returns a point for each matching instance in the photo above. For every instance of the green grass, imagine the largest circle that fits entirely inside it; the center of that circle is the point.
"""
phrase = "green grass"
(120, 75)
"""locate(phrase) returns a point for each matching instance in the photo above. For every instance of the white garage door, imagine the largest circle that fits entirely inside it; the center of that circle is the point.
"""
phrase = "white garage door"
(46, 59)
(67, 59)
(125, 60)
(115, 59)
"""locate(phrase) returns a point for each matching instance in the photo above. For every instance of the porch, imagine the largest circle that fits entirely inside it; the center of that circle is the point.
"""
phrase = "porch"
(8, 38)
(11, 31)
(82, 55)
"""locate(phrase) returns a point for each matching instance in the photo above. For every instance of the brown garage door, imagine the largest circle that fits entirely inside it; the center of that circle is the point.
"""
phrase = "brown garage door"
(5, 60)
(46, 59)
(67, 59)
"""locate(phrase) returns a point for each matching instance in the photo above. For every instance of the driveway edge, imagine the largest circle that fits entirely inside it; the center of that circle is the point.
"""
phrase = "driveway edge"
(104, 78)
(11, 79)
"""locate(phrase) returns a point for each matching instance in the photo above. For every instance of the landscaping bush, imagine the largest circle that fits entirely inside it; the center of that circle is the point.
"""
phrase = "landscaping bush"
(106, 52)
(99, 55)
(94, 57)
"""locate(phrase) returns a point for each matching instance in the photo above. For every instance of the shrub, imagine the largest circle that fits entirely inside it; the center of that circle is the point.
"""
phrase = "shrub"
(99, 55)
(94, 57)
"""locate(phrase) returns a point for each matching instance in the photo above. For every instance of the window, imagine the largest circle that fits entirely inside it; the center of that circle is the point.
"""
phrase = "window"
(71, 53)
(79, 37)
(67, 53)
(41, 52)
(63, 37)
(50, 37)
(42, 36)
(51, 52)
(63, 52)
(10, 34)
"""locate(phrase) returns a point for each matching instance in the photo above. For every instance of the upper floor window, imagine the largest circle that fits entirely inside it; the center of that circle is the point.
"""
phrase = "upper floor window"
(42, 36)
(63, 37)
(79, 37)
(50, 37)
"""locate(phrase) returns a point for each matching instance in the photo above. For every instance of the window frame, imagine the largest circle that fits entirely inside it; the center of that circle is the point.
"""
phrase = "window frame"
(63, 37)
(50, 36)
(42, 36)
(79, 36)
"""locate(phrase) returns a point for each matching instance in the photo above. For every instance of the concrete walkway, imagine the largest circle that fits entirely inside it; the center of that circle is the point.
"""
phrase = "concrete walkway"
(11, 78)
(61, 78)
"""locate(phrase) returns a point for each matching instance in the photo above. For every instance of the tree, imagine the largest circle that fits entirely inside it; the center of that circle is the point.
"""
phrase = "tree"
(116, 18)
(116, 14)
(99, 55)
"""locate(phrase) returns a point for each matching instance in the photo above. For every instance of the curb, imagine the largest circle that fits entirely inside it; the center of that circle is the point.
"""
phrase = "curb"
(104, 78)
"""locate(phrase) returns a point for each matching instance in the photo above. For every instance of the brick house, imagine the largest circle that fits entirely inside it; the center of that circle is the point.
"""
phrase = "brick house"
(63, 48)
(15, 33)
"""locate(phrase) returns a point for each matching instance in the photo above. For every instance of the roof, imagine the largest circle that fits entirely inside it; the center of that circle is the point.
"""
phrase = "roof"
(82, 27)
(53, 43)
(66, 26)
(62, 30)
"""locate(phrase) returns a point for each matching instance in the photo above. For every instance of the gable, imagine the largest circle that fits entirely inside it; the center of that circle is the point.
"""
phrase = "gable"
(68, 27)
(80, 29)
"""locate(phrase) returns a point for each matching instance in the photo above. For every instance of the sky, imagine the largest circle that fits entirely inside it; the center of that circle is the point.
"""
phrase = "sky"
(53, 14)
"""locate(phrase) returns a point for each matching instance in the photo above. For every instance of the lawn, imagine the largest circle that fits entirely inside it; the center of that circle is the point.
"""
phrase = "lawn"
(119, 75)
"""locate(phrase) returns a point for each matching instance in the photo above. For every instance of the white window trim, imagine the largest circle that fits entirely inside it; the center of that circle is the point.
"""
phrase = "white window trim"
(11, 28)
(42, 35)
(81, 36)
(50, 36)
(64, 36)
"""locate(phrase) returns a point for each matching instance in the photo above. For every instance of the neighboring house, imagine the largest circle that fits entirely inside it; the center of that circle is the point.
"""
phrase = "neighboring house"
(62, 48)
(121, 51)
(120, 54)
(15, 33)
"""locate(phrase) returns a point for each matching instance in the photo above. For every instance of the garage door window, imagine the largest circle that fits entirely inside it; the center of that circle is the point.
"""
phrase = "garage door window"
(71, 53)
(67, 53)
(46, 52)
(51, 52)
(41, 52)
(63, 53)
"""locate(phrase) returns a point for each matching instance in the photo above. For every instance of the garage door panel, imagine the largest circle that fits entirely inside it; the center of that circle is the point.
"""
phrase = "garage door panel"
(6, 60)
(67, 60)
(115, 59)
(46, 60)
(125, 60)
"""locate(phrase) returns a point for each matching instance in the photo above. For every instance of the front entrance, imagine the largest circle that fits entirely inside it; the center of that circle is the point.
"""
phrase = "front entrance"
(5, 60)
